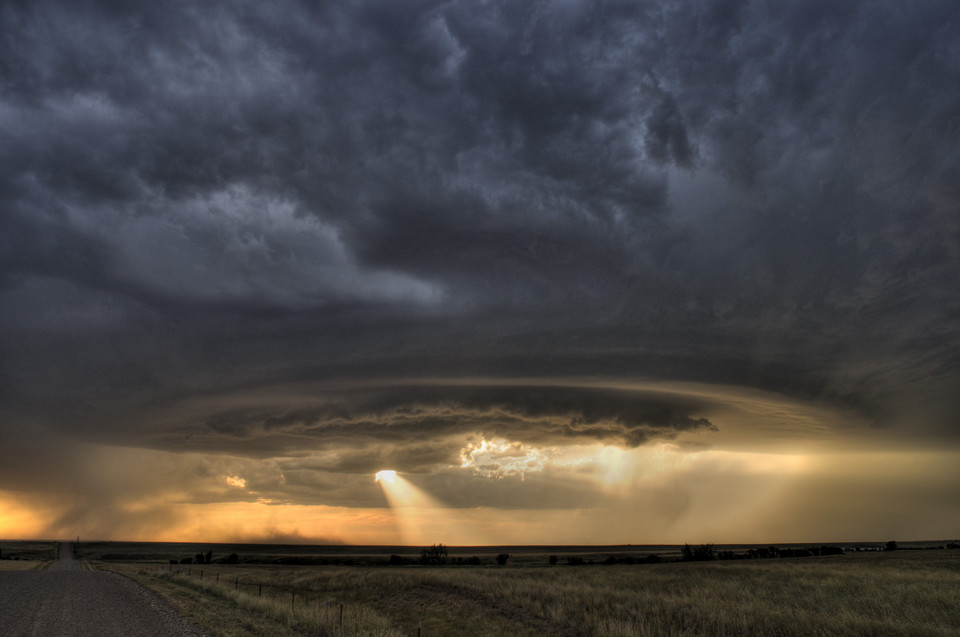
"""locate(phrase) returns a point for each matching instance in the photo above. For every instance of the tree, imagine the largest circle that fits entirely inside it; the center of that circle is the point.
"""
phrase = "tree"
(702, 553)
(553, 560)
(434, 556)
(502, 558)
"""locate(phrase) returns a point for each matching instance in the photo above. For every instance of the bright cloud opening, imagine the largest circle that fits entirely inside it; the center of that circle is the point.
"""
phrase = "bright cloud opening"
(387, 475)
(236, 481)
(499, 458)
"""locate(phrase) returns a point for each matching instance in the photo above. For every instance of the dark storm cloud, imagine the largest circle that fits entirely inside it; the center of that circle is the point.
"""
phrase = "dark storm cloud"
(418, 428)
(195, 198)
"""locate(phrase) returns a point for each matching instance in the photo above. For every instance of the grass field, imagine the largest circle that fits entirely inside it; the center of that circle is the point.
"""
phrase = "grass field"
(25, 555)
(882, 593)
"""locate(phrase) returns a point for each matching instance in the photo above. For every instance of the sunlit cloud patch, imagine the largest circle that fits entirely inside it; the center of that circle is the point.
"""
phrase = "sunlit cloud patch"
(236, 481)
(498, 458)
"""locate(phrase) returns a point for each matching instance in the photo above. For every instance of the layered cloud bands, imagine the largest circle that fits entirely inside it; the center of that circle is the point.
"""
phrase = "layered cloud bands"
(422, 415)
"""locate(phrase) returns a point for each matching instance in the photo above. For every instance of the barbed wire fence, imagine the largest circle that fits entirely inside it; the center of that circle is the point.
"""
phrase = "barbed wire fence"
(330, 610)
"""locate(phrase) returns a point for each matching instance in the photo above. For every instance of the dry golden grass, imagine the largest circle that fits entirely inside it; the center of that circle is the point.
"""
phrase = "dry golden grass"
(22, 565)
(902, 593)
(226, 611)
(27, 555)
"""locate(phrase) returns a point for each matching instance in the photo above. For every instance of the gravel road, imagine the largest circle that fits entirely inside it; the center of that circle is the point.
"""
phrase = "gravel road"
(67, 600)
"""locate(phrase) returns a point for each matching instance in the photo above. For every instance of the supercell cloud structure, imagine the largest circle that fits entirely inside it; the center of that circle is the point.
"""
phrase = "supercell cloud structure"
(289, 244)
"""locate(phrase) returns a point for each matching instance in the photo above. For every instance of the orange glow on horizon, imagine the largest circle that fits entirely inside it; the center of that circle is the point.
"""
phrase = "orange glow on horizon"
(17, 521)
(659, 493)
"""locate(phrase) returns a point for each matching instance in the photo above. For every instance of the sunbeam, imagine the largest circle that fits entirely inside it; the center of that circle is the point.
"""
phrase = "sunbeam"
(421, 518)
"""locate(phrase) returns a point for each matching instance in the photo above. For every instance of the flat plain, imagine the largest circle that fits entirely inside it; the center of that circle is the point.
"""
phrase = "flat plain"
(596, 591)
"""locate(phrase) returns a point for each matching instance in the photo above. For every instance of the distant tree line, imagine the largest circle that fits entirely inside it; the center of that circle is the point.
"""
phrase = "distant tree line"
(708, 552)
(438, 555)
(207, 558)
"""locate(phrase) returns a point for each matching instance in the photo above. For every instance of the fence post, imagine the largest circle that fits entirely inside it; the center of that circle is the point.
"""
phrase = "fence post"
(236, 584)
(418, 628)
(341, 613)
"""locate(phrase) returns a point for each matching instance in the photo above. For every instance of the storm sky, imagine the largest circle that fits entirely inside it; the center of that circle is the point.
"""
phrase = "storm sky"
(580, 272)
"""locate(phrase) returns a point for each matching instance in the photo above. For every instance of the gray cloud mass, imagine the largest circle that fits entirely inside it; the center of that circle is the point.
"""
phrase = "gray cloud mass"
(195, 199)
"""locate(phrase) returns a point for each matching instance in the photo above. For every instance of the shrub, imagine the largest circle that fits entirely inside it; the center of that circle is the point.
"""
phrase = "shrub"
(502, 558)
(552, 560)
(473, 561)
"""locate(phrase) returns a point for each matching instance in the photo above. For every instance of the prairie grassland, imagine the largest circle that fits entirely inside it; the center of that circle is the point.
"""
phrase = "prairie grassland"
(29, 550)
(22, 565)
(901, 593)
(27, 555)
